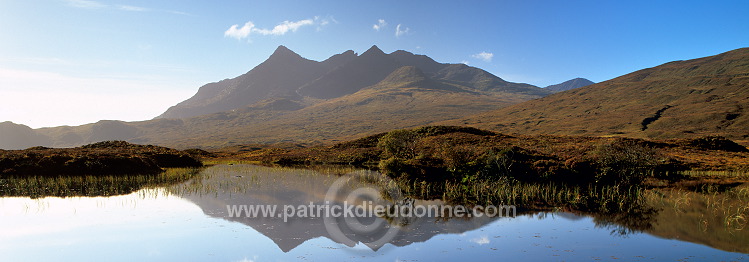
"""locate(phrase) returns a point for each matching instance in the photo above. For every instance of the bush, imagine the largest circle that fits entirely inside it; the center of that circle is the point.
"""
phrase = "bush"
(717, 143)
(399, 143)
(498, 162)
(624, 162)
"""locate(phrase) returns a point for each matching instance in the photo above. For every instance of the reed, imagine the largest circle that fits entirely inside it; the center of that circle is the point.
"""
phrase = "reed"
(91, 185)
(709, 206)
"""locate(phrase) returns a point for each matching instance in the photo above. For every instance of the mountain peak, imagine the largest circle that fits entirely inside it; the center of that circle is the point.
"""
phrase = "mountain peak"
(374, 50)
(569, 84)
(283, 51)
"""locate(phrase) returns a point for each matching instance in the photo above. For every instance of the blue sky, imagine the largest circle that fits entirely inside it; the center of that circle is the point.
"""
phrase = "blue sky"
(70, 62)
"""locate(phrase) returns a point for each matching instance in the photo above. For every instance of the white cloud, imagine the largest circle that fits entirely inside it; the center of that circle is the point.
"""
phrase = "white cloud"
(464, 62)
(399, 32)
(87, 4)
(132, 8)
(380, 24)
(236, 32)
(481, 240)
(486, 57)
(281, 29)
(284, 27)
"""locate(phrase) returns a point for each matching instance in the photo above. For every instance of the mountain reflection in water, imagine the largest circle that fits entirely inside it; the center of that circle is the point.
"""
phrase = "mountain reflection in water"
(189, 221)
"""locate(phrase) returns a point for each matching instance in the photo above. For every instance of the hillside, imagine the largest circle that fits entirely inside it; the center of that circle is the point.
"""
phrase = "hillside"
(16, 136)
(358, 95)
(569, 85)
(705, 96)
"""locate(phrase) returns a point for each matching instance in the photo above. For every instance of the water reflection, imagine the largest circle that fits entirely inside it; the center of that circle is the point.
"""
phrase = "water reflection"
(263, 186)
(189, 221)
(652, 213)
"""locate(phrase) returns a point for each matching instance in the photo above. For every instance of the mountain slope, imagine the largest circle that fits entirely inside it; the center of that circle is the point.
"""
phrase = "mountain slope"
(569, 84)
(367, 69)
(705, 96)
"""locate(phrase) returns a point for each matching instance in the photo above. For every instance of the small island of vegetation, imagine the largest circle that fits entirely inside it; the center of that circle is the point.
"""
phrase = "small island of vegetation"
(102, 158)
(100, 169)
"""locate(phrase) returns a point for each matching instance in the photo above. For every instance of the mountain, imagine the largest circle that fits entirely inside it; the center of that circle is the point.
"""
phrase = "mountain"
(15, 136)
(704, 96)
(279, 76)
(104, 130)
(405, 98)
(286, 74)
(290, 99)
(569, 84)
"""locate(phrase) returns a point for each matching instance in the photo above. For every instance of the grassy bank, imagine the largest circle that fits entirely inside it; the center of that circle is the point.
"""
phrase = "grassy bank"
(447, 153)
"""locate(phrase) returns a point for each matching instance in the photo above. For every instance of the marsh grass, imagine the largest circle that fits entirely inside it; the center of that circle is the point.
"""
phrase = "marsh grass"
(525, 196)
(213, 162)
(91, 185)
(714, 174)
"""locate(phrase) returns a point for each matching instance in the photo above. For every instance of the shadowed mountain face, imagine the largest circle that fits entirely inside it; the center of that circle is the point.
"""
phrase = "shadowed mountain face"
(705, 96)
(286, 74)
(569, 84)
(279, 76)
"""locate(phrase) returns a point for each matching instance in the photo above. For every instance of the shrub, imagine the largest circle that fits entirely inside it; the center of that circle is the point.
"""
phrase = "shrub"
(717, 143)
(399, 143)
(623, 162)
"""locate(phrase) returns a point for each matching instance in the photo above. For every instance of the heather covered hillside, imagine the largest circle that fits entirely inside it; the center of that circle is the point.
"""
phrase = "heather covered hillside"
(699, 97)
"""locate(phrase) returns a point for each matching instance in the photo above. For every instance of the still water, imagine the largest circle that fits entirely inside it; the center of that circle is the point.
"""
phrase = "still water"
(191, 222)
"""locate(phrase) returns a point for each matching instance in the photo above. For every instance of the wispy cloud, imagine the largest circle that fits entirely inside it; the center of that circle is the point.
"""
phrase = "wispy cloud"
(401, 30)
(380, 24)
(90, 4)
(254, 258)
(177, 12)
(132, 8)
(87, 4)
(484, 56)
(324, 21)
(284, 27)
(281, 29)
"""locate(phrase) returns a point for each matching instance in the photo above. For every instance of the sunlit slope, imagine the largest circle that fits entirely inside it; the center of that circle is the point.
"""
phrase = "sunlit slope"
(705, 96)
